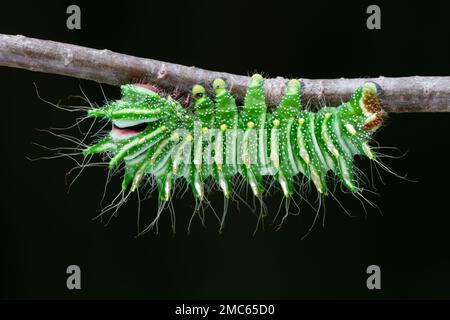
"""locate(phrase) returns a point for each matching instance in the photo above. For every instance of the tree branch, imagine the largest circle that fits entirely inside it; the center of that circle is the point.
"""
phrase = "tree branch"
(406, 94)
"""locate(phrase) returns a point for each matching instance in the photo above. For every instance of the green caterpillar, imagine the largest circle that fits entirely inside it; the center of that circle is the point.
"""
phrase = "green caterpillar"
(155, 135)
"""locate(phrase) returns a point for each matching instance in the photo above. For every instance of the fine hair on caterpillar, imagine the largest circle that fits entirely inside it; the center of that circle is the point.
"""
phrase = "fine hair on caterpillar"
(172, 143)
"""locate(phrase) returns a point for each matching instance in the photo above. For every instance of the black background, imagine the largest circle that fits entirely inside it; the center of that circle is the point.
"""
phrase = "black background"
(44, 229)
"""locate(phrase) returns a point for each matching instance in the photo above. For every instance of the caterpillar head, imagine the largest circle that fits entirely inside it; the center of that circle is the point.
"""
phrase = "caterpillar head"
(371, 107)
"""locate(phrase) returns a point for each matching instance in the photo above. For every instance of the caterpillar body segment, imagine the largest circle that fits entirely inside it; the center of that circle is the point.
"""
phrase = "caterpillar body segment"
(156, 135)
(252, 122)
